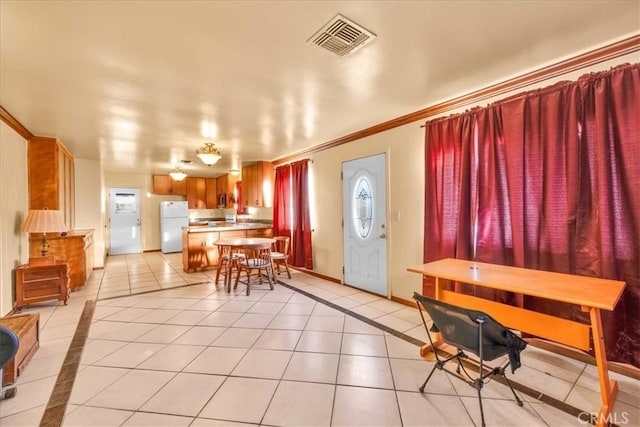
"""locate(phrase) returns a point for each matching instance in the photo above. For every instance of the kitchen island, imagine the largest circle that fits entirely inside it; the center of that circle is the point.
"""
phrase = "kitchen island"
(198, 251)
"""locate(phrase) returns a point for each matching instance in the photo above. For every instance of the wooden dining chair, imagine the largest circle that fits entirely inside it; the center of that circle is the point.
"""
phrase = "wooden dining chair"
(227, 263)
(280, 254)
(257, 259)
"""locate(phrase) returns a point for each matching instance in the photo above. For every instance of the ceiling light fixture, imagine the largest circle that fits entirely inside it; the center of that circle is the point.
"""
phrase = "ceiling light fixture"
(208, 154)
(234, 172)
(177, 174)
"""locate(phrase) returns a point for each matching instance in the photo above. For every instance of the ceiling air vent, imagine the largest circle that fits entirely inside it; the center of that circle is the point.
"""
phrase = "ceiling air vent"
(342, 36)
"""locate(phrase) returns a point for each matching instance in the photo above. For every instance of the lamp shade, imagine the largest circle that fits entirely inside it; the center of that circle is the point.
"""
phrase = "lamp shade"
(177, 174)
(44, 221)
(208, 154)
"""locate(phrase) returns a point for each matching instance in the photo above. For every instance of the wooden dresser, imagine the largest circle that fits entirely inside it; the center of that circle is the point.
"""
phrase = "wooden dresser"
(76, 249)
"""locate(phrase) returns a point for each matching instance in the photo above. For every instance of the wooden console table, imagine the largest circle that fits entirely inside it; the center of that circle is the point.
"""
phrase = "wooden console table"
(592, 294)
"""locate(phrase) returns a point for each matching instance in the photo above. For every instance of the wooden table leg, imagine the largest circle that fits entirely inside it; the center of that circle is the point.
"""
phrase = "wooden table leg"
(608, 388)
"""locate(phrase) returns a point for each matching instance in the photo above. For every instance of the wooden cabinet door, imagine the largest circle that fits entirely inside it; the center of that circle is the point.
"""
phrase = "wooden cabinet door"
(196, 193)
(51, 177)
(162, 184)
(211, 198)
(165, 185)
(178, 187)
(255, 179)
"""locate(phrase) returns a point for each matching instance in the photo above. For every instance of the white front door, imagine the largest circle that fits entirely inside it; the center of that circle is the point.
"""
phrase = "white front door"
(364, 204)
(124, 221)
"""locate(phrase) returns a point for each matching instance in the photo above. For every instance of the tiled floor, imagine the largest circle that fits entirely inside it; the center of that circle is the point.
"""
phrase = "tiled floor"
(170, 348)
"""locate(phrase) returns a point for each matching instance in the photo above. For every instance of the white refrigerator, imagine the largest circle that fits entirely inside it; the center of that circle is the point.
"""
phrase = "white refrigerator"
(173, 216)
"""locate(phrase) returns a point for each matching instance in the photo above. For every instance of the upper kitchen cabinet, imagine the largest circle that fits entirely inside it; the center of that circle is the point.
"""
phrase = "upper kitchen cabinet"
(211, 197)
(165, 185)
(196, 192)
(257, 184)
(51, 177)
(226, 188)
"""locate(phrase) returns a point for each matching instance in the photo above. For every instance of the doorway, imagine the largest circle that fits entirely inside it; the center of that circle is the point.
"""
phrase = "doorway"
(364, 207)
(124, 221)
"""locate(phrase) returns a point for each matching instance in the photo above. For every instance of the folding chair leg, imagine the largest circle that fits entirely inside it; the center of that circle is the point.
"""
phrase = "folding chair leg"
(479, 388)
(511, 387)
(428, 378)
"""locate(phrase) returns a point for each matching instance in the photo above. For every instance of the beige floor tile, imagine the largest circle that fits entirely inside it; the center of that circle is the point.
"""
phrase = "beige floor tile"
(230, 401)
(200, 335)
(289, 321)
(275, 339)
(84, 416)
(91, 380)
(218, 318)
(313, 367)
(359, 406)
(301, 404)
(364, 345)
(253, 320)
(365, 371)
(320, 342)
(132, 390)
(261, 363)
(173, 357)
(141, 419)
(130, 355)
(238, 337)
(216, 360)
(186, 394)
(325, 323)
(418, 410)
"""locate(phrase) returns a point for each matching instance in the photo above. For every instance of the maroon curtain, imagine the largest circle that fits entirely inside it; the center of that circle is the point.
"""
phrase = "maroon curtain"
(301, 231)
(552, 183)
(282, 202)
(447, 221)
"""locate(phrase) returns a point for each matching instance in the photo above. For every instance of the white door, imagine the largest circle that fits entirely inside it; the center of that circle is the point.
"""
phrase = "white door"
(124, 221)
(364, 204)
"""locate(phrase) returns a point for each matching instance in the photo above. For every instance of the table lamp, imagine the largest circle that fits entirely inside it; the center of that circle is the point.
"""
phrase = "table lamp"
(44, 221)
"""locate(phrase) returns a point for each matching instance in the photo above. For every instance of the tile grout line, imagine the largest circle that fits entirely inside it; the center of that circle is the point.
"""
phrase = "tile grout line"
(54, 412)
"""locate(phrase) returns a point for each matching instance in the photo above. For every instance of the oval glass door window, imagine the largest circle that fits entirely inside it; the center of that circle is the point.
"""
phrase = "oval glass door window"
(363, 207)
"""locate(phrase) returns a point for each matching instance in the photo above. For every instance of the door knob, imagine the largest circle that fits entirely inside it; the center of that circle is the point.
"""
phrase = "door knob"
(382, 236)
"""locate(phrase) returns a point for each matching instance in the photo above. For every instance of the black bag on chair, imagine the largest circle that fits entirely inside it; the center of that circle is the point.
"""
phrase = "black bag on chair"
(475, 332)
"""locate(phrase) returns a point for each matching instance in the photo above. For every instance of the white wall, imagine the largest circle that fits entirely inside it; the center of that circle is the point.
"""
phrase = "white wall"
(89, 204)
(14, 245)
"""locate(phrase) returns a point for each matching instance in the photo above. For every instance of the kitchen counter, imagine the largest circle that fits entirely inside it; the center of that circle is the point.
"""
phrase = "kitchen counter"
(198, 251)
(226, 226)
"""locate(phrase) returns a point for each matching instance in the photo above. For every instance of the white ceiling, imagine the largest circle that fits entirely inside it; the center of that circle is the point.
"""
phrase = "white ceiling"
(137, 83)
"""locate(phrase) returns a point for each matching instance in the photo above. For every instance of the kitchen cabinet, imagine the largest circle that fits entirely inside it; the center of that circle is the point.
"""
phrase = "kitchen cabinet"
(257, 184)
(75, 248)
(227, 185)
(211, 197)
(51, 177)
(165, 185)
(196, 192)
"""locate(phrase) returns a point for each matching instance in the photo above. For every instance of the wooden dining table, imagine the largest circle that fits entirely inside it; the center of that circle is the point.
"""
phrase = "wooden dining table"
(237, 243)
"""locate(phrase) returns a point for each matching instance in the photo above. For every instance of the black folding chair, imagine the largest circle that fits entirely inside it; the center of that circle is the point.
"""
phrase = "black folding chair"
(475, 332)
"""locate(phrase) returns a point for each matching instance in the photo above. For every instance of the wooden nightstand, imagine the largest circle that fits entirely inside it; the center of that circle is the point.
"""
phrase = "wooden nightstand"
(41, 280)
